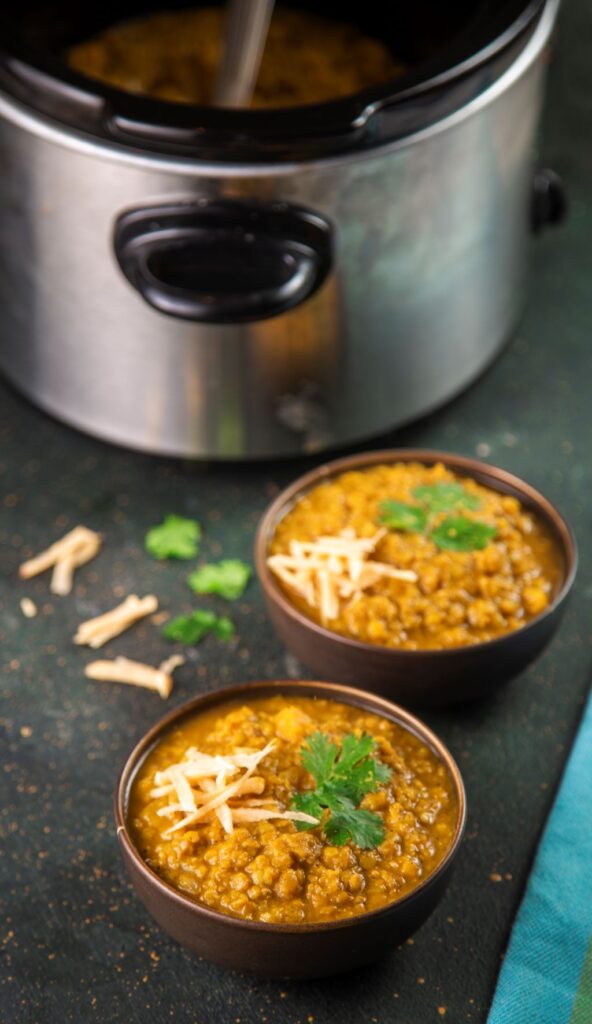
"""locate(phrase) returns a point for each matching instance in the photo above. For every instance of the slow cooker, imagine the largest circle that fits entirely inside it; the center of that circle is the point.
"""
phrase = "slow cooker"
(226, 283)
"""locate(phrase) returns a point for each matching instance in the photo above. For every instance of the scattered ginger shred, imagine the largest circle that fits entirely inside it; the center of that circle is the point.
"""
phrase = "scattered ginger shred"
(75, 549)
(96, 632)
(123, 670)
(28, 607)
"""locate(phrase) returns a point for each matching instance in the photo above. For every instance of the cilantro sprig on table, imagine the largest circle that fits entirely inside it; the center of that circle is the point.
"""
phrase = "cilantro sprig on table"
(191, 629)
(227, 578)
(175, 537)
(343, 777)
(179, 537)
(455, 532)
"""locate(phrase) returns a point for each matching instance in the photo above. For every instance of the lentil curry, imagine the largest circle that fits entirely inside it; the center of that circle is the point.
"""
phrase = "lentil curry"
(268, 870)
(414, 557)
(175, 55)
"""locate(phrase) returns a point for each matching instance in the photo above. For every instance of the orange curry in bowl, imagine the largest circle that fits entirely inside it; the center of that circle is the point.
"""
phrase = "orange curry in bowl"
(292, 810)
(414, 557)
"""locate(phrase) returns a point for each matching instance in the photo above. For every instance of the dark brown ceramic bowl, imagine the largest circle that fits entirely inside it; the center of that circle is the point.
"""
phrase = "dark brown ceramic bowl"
(432, 677)
(282, 951)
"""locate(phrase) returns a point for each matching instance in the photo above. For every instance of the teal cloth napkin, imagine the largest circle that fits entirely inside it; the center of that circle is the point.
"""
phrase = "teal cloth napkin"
(546, 976)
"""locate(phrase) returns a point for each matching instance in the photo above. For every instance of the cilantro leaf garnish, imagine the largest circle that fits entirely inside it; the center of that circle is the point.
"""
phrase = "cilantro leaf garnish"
(227, 578)
(175, 537)
(319, 757)
(309, 803)
(399, 516)
(191, 629)
(356, 772)
(343, 777)
(456, 533)
(364, 828)
(444, 497)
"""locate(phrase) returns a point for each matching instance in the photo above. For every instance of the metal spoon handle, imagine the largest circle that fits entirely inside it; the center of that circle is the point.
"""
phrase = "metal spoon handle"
(247, 22)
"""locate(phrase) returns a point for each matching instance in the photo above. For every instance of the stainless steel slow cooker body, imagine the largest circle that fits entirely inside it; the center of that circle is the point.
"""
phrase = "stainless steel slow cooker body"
(382, 280)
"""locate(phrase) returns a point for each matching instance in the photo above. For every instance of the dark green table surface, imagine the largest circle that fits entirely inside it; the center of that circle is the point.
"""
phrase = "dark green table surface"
(75, 943)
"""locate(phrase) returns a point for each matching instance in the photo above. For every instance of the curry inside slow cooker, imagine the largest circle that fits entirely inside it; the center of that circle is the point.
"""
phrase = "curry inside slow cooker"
(407, 33)
(342, 74)
(176, 55)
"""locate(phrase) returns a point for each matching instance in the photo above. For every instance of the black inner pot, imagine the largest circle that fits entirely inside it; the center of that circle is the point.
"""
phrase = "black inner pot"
(412, 31)
(452, 53)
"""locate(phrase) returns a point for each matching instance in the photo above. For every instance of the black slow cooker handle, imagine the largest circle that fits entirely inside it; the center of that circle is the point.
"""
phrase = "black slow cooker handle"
(549, 202)
(223, 260)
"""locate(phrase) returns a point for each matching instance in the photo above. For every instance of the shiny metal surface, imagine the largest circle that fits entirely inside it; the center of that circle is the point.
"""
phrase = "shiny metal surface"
(245, 34)
(431, 237)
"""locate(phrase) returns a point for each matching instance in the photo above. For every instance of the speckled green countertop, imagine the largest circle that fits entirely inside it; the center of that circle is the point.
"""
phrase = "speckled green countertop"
(76, 945)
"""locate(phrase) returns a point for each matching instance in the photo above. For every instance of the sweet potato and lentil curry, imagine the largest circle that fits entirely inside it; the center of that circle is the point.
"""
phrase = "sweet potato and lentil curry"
(269, 869)
(414, 557)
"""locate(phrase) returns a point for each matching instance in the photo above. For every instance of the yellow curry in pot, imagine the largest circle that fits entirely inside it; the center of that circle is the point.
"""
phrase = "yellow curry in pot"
(175, 55)
(414, 557)
(292, 810)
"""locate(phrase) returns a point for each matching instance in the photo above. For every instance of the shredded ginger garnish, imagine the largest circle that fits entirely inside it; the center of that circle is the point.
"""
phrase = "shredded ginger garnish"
(204, 786)
(330, 570)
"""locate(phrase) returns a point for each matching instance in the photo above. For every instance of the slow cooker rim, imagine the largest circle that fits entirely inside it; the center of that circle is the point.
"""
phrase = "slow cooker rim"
(337, 127)
(192, 167)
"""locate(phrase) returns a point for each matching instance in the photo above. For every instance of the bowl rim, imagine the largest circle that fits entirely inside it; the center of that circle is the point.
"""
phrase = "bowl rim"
(337, 691)
(483, 472)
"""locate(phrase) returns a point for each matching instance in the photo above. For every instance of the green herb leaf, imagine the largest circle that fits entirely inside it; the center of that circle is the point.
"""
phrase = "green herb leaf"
(355, 772)
(444, 497)
(228, 579)
(456, 533)
(176, 537)
(343, 777)
(223, 628)
(308, 803)
(399, 516)
(364, 828)
(191, 629)
(319, 756)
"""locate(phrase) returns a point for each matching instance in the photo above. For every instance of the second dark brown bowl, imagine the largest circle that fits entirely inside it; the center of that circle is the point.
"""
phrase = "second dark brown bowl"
(423, 678)
(276, 950)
